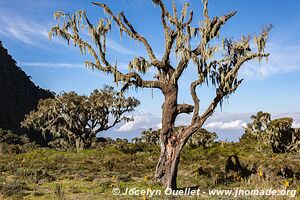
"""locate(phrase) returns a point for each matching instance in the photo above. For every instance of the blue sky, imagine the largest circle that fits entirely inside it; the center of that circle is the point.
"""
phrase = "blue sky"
(272, 87)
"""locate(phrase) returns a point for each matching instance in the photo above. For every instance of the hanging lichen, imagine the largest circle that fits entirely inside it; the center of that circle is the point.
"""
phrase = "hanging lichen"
(139, 64)
(261, 39)
(216, 64)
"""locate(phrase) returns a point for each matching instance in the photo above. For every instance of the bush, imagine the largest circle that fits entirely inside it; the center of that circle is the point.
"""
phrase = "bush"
(61, 144)
(150, 136)
(202, 138)
(14, 189)
(13, 143)
(257, 129)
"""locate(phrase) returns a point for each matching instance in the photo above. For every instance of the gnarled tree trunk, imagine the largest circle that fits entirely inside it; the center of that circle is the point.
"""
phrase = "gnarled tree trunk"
(167, 167)
(171, 143)
(178, 31)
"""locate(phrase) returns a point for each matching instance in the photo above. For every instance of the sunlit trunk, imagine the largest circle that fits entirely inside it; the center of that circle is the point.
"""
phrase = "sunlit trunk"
(79, 144)
(167, 167)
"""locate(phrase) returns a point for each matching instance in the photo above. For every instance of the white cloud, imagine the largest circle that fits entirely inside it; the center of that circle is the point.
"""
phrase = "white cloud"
(25, 30)
(228, 125)
(111, 44)
(16, 27)
(296, 125)
(282, 59)
(236, 124)
(142, 121)
(158, 126)
(36, 34)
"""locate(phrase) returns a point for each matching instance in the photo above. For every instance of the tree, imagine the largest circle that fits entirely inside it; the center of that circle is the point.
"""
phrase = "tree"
(202, 138)
(79, 118)
(258, 127)
(150, 136)
(216, 65)
(281, 134)
(277, 133)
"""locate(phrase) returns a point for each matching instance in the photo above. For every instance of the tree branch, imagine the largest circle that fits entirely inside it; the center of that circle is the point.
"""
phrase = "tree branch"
(169, 34)
(195, 99)
(169, 41)
(129, 29)
(242, 60)
(184, 108)
(220, 90)
(212, 29)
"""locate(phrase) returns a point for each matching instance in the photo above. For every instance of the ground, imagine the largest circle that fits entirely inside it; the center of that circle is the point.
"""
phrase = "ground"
(92, 174)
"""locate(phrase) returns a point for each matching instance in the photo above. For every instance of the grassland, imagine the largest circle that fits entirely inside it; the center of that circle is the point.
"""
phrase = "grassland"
(92, 174)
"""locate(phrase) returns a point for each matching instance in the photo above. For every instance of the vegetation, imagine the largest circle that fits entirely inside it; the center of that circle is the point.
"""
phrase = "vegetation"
(45, 173)
(75, 119)
(33, 172)
(277, 133)
(14, 143)
(202, 138)
(149, 136)
(267, 156)
(179, 32)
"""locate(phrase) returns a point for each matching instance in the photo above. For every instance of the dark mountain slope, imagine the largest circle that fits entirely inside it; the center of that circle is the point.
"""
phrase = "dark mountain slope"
(18, 94)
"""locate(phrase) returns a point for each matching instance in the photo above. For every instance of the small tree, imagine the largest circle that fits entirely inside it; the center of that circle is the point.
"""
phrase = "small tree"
(79, 118)
(258, 127)
(202, 138)
(277, 133)
(283, 138)
(150, 136)
(217, 62)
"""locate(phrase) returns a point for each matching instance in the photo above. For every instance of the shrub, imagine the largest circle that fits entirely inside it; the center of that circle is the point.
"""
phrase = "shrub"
(257, 128)
(150, 136)
(61, 144)
(13, 143)
(202, 138)
(14, 189)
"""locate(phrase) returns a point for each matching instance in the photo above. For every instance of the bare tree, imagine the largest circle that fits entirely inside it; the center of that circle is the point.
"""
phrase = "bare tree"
(178, 35)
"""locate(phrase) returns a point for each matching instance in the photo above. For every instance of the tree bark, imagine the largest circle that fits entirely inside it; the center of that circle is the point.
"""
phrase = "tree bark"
(1, 149)
(79, 144)
(167, 167)
(171, 143)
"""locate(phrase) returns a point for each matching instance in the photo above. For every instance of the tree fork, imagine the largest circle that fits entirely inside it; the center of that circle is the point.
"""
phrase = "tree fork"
(222, 73)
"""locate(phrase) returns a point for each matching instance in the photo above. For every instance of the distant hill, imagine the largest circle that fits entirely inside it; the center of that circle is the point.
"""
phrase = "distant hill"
(18, 94)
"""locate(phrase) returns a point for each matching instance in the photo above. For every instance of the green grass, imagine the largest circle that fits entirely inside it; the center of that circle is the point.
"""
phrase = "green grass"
(92, 174)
